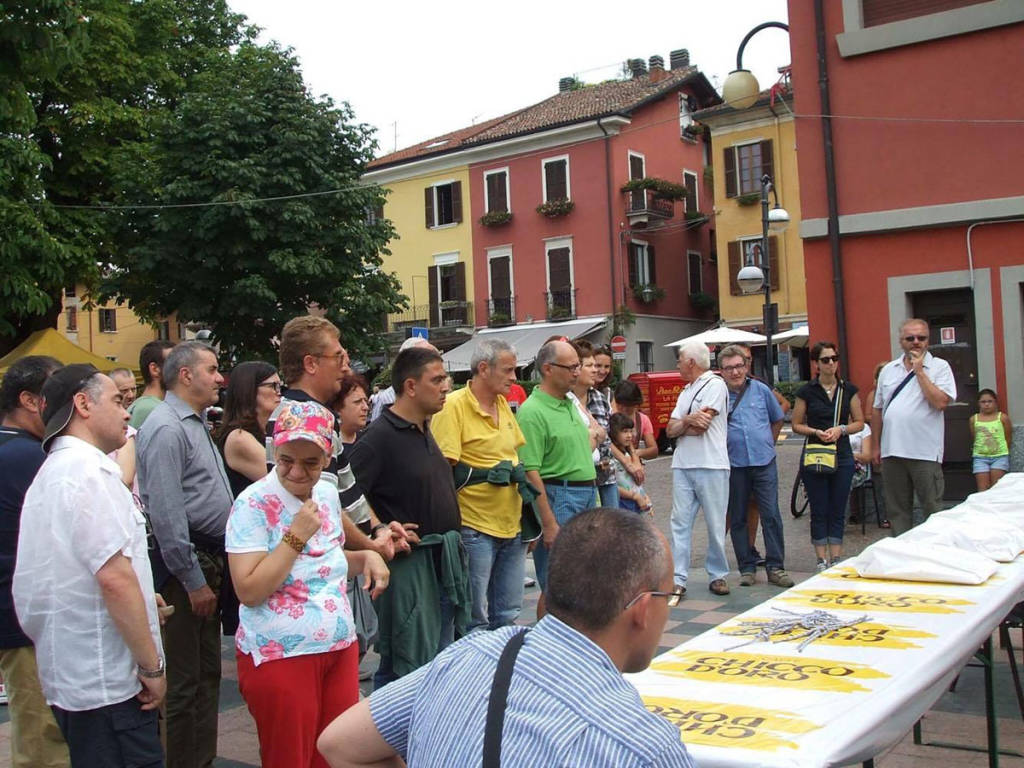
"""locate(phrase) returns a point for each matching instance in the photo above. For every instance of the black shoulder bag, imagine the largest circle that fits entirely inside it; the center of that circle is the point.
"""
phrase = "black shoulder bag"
(498, 700)
(739, 399)
(902, 384)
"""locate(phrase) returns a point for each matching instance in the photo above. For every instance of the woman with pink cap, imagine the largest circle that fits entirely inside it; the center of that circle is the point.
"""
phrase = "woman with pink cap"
(298, 659)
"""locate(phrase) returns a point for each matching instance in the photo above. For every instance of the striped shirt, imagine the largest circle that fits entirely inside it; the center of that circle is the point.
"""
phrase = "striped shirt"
(567, 706)
(338, 472)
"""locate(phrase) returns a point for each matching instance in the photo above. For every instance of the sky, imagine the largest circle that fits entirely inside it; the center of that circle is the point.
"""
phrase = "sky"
(415, 70)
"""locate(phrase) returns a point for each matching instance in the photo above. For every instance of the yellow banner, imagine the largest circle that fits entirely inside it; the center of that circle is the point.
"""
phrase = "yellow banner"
(730, 725)
(766, 670)
(865, 634)
(852, 575)
(874, 601)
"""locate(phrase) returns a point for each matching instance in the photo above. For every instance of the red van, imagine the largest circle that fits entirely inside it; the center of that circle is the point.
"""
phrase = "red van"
(660, 390)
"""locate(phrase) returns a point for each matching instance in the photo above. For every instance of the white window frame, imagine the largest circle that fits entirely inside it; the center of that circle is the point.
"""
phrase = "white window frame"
(700, 257)
(99, 318)
(544, 175)
(551, 244)
(497, 253)
(739, 176)
(630, 153)
(508, 195)
(640, 281)
(433, 192)
(639, 356)
(684, 110)
(856, 39)
(696, 186)
(743, 250)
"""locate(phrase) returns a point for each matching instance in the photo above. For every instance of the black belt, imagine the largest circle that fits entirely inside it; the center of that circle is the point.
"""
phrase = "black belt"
(569, 483)
(212, 545)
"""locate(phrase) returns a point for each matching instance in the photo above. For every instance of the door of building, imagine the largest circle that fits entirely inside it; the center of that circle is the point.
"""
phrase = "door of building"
(945, 310)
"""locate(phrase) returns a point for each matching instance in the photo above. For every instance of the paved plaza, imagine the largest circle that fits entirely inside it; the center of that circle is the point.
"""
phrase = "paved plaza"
(958, 717)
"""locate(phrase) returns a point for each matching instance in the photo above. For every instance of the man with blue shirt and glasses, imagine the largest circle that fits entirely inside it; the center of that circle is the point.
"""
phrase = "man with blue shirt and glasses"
(754, 421)
(566, 702)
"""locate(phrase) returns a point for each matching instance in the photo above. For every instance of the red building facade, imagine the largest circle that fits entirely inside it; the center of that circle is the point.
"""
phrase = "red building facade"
(926, 118)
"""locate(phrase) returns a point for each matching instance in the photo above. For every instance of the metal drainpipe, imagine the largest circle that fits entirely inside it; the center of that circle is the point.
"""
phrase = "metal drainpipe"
(608, 203)
(830, 185)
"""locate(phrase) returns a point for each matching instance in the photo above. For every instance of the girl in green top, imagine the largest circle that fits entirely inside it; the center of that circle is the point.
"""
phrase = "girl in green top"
(991, 431)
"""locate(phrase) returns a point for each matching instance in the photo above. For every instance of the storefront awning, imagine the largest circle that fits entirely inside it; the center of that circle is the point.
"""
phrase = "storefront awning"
(526, 339)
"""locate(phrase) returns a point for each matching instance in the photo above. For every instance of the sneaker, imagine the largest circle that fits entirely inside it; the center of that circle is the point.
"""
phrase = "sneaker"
(719, 587)
(779, 578)
(758, 556)
(681, 588)
(821, 566)
(529, 581)
(747, 579)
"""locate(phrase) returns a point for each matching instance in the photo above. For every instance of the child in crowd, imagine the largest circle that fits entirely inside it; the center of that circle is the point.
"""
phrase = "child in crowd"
(991, 431)
(631, 495)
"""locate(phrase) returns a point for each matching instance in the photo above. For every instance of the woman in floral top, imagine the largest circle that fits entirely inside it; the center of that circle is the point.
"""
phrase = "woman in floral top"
(297, 654)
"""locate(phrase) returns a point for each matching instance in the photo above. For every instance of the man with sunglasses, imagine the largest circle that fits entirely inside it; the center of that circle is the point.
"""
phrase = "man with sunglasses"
(913, 391)
(566, 702)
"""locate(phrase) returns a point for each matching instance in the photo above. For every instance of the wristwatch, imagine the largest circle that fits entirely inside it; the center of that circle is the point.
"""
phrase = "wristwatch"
(158, 672)
(377, 527)
(842, 429)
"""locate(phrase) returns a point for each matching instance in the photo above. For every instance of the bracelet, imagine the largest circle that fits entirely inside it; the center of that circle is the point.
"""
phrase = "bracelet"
(842, 429)
(377, 527)
(293, 541)
(152, 673)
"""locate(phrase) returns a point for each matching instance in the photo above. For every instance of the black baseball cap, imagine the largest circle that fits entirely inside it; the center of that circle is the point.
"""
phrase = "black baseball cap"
(58, 397)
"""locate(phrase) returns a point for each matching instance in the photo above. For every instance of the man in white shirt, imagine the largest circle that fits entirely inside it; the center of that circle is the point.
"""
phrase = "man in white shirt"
(913, 391)
(386, 397)
(83, 589)
(700, 465)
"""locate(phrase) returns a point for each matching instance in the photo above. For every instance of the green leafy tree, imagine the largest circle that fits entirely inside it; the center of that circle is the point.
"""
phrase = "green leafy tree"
(38, 40)
(247, 130)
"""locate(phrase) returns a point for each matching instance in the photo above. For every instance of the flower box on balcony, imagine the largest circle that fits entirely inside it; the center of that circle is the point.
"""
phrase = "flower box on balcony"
(666, 190)
(555, 208)
(495, 218)
(648, 293)
(752, 198)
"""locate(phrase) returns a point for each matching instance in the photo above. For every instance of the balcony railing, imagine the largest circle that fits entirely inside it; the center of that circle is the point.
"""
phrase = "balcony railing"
(501, 311)
(561, 304)
(449, 314)
(647, 203)
(454, 313)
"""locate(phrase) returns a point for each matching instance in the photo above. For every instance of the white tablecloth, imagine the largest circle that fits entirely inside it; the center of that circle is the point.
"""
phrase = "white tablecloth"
(843, 699)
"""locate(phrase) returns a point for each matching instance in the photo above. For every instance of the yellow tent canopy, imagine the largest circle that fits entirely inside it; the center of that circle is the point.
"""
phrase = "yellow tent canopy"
(53, 343)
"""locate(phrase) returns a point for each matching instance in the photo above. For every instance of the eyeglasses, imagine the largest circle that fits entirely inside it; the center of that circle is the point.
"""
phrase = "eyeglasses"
(734, 368)
(274, 385)
(337, 357)
(828, 359)
(911, 339)
(576, 367)
(673, 597)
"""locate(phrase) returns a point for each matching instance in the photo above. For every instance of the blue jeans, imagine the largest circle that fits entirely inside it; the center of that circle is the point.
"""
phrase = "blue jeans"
(763, 484)
(827, 495)
(566, 502)
(693, 489)
(385, 672)
(496, 568)
(609, 495)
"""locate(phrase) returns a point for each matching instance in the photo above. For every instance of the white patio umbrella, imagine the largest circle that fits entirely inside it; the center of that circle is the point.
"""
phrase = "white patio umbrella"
(723, 335)
(794, 337)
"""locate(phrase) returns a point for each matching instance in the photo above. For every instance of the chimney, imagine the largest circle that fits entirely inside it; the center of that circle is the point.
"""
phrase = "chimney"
(638, 68)
(566, 84)
(679, 59)
(657, 64)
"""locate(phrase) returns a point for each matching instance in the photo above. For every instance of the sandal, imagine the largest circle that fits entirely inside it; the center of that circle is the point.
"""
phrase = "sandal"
(885, 524)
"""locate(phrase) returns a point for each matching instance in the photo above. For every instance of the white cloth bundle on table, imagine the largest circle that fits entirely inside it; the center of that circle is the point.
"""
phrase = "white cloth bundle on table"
(919, 561)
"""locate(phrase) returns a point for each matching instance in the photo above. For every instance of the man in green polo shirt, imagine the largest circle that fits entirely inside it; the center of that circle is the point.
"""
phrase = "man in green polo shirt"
(558, 454)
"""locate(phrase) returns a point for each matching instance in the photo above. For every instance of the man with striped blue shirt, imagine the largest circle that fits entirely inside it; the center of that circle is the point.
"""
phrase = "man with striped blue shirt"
(567, 703)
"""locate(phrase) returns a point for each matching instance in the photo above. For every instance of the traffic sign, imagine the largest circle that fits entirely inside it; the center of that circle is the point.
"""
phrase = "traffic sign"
(618, 346)
(417, 332)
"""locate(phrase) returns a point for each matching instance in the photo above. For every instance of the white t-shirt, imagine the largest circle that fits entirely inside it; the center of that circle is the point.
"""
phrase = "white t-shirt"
(77, 515)
(585, 415)
(857, 440)
(911, 428)
(710, 449)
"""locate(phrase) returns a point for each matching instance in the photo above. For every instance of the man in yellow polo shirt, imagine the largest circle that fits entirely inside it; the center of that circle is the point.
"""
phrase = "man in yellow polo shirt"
(477, 432)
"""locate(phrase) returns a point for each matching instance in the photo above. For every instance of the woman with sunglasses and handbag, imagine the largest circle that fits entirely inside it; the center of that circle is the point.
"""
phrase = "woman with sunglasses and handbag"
(827, 411)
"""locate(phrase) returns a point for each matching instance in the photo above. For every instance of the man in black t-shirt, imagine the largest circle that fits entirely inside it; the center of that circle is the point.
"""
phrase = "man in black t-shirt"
(35, 738)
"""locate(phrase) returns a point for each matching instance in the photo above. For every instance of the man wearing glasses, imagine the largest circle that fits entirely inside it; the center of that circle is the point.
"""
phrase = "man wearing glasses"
(557, 455)
(913, 391)
(566, 703)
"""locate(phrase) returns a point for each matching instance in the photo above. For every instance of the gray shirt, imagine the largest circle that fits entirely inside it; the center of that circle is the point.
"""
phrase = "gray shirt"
(383, 399)
(182, 484)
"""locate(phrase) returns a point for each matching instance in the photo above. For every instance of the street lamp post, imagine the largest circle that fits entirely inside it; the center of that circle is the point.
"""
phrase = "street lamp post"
(740, 91)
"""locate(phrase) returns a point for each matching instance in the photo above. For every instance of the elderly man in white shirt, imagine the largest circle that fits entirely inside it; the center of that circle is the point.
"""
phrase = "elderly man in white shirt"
(913, 391)
(83, 589)
(700, 465)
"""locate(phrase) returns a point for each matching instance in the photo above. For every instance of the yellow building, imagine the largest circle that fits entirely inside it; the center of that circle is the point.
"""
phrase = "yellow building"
(746, 144)
(110, 330)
